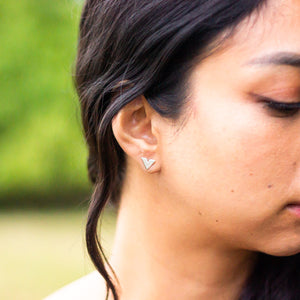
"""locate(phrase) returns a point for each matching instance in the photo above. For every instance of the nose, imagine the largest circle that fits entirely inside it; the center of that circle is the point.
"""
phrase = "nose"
(292, 156)
(294, 189)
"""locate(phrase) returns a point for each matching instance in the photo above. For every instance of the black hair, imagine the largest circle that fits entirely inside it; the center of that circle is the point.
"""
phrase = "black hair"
(129, 48)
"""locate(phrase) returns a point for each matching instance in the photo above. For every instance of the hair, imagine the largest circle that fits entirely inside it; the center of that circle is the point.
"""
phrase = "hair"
(129, 48)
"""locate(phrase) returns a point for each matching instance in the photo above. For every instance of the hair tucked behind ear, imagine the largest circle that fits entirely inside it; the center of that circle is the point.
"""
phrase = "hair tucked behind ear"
(129, 48)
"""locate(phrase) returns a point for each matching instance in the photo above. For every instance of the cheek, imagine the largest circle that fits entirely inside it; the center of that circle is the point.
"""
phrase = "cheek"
(229, 174)
(230, 164)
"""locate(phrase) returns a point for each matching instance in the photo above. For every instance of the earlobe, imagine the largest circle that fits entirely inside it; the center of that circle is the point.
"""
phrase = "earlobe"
(132, 128)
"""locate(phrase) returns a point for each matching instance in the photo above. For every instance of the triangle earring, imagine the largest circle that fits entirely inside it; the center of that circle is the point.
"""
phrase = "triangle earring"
(148, 163)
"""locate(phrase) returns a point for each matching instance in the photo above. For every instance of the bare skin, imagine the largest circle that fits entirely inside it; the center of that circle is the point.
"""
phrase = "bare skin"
(190, 227)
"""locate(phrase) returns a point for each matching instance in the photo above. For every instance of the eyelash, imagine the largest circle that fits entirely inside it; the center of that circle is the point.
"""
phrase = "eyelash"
(282, 108)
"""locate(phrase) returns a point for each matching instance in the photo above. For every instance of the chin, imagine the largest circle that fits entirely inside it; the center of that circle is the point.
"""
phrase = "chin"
(283, 251)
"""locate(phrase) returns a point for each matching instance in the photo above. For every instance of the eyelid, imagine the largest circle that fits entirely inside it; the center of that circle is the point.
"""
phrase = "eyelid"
(283, 105)
(277, 108)
(279, 103)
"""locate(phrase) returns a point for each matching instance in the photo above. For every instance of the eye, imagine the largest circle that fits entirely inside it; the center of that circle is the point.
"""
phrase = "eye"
(280, 109)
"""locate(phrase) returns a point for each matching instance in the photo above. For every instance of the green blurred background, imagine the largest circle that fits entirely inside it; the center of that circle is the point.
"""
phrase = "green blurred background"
(44, 189)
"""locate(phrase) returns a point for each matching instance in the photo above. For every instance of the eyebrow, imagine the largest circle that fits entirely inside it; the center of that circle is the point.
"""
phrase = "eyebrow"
(279, 58)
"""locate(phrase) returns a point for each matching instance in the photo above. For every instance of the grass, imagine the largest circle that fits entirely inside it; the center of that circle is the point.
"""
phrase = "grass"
(42, 251)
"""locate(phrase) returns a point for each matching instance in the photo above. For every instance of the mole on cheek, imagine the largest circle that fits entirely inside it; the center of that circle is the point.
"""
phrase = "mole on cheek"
(270, 186)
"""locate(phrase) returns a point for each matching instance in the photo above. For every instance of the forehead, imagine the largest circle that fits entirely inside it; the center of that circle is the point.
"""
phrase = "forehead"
(275, 28)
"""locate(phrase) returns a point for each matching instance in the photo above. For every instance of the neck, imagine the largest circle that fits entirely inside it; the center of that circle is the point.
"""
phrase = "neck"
(155, 257)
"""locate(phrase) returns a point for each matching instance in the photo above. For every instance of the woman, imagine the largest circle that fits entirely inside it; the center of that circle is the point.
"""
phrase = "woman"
(191, 115)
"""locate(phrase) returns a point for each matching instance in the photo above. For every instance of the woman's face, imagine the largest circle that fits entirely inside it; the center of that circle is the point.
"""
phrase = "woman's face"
(235, 164)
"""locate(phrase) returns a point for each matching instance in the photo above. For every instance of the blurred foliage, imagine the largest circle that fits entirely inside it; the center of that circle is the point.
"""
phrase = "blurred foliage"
(42, 150)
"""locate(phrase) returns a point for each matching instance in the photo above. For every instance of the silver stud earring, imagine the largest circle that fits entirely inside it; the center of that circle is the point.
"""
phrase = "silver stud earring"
(148, 163)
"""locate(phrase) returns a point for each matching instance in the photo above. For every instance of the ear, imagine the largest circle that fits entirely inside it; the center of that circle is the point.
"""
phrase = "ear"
(133, 129)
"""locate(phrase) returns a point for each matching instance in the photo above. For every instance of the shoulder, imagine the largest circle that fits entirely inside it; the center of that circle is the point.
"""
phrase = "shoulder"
(91, 286)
